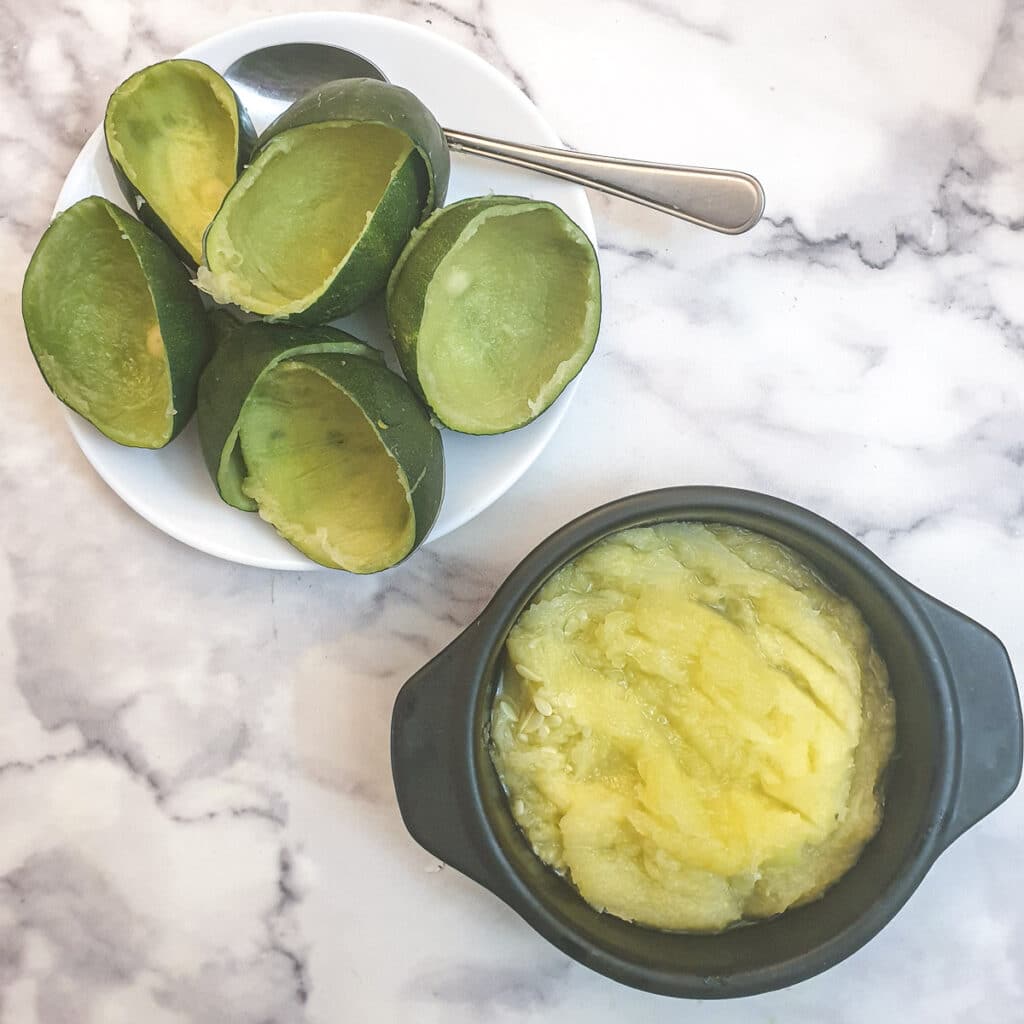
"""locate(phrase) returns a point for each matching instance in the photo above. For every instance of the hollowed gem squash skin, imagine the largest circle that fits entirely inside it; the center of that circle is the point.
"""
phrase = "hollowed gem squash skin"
(246, 351)
(494, 308)
(342, 460)
(309, 428)
(313, 227)
(178, 137)
(116, 326)
(693, 727)
(319, 474)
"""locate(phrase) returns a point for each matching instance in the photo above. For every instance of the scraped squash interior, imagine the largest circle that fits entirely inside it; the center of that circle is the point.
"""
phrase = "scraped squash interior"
(693, 727)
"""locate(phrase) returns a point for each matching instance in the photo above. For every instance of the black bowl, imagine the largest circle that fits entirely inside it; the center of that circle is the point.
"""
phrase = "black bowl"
(957, 757)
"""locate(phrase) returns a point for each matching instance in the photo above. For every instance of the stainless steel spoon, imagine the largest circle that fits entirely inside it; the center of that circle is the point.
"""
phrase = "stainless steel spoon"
(270, 79)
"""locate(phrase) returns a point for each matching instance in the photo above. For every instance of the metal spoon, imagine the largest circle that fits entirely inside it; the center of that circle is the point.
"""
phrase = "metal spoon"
(270, 79)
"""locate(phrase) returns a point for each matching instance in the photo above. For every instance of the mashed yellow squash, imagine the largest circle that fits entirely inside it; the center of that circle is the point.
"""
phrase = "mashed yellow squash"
(693, 727)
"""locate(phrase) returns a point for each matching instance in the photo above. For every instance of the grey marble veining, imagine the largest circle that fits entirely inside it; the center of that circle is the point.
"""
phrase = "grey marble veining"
(198, 820)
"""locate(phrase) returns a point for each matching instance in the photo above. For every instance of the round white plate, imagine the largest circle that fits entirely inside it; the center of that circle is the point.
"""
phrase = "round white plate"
(171, 487)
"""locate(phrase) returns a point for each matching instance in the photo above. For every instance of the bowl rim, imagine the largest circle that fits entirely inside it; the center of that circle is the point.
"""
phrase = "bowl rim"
(710, 504)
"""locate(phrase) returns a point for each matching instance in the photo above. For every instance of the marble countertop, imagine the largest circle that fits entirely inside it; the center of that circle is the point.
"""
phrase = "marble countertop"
(198, 818)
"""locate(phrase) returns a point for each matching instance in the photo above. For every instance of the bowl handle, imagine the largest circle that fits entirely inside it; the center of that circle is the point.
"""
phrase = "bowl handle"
(990, 715)
(430, 761)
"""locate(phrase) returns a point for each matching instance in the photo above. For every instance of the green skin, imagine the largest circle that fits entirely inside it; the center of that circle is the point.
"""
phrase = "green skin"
(179, 309)
(245, 352)
(245, 144)
(407, 288)
(366, 270)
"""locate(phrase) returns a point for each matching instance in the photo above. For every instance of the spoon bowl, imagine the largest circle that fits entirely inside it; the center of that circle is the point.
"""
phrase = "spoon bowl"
(272, 78)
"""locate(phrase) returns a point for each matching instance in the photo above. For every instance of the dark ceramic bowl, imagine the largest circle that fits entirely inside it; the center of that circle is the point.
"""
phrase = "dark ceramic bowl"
(957, 757)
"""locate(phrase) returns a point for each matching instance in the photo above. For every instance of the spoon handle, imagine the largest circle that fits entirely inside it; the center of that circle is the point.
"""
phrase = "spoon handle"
(728, 201)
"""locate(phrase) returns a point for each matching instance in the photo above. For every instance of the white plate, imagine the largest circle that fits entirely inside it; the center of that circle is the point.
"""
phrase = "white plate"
(171, 487)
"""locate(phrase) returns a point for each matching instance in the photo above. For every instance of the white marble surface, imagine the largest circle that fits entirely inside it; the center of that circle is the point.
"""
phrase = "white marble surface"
(198, 823)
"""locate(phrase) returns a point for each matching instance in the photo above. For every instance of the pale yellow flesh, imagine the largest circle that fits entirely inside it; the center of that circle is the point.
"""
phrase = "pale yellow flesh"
(320, 474)
(692, 727)
(176, 130)
(505, 318)
(97, 338)
(293, 220)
